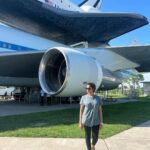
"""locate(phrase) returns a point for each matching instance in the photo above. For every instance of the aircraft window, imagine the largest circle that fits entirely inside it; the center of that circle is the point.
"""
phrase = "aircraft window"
(19, 48)
(4, 45)
(9, 46)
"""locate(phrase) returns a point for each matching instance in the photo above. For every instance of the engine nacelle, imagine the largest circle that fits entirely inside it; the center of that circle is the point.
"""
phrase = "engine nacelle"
(64, 72)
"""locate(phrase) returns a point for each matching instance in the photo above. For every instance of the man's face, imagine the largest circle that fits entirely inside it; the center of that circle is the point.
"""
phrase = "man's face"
(89, 89)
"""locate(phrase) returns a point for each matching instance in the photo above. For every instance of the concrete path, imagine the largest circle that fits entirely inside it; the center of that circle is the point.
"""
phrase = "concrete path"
(45, 144)
(137, 138)
(13, 108)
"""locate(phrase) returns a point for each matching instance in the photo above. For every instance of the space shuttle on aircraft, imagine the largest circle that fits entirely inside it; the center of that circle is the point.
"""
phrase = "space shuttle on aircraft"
(91, 5)
(40, 46)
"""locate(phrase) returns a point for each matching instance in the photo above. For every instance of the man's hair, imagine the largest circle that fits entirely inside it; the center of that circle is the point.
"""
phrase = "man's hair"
(92, 85)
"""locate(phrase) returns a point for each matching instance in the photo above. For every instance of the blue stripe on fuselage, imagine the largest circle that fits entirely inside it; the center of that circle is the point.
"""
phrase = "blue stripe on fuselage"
(15, 47)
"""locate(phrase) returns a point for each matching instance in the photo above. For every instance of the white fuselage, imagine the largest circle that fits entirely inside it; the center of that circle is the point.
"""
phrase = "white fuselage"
(15, 40)
(12, 39)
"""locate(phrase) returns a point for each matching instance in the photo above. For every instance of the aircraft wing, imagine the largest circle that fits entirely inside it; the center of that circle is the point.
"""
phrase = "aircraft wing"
(67, 27)
(137, 54)
(17, 68)
(22, 68)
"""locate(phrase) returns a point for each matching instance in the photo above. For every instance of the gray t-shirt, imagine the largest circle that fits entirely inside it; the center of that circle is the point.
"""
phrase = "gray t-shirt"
(91, 105)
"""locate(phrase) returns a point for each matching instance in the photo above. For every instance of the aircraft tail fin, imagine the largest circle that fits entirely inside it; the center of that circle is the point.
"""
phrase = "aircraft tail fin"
(91, 3)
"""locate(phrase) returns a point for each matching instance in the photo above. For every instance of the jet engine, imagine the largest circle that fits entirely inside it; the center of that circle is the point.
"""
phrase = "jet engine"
(65, 71)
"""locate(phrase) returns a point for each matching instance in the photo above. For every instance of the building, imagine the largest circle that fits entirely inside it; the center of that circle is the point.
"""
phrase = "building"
(146, 86)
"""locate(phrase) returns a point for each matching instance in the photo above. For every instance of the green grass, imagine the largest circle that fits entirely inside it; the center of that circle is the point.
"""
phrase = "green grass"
(64, 123)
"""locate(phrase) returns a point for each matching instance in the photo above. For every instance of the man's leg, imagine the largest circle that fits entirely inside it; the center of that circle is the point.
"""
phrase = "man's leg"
(42, 101)
(95, 132)
(88, 137)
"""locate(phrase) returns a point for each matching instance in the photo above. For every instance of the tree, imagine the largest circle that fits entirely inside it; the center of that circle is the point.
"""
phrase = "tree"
(134, 84)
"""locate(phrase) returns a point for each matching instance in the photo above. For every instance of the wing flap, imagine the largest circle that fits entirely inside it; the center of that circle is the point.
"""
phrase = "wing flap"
(20, 64)
(137, 54)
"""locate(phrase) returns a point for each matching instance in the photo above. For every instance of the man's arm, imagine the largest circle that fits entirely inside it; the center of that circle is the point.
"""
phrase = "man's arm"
(101, 116)
(80, 116)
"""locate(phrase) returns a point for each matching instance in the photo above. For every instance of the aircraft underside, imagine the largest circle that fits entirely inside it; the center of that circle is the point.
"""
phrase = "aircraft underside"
(67, 27)
(56, 67)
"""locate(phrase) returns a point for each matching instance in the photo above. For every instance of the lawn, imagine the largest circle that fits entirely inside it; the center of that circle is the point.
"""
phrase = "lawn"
(64, 123)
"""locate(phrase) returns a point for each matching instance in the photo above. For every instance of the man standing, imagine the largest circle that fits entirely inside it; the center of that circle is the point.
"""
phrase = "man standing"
(90, 116)
(42, 95)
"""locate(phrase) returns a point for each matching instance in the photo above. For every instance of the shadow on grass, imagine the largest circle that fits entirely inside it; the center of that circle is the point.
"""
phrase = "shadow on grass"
(44, 119)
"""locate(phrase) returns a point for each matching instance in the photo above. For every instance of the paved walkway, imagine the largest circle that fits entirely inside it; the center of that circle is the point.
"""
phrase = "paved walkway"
(8, 108)
(136, 138)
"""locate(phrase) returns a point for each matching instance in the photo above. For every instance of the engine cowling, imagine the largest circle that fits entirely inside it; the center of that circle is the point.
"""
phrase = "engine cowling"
(64, 72)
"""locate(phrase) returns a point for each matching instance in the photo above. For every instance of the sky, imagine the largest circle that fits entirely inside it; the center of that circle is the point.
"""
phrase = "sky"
(141, 35)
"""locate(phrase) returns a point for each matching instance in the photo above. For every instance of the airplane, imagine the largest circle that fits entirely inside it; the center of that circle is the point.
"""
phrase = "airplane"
(59, 46)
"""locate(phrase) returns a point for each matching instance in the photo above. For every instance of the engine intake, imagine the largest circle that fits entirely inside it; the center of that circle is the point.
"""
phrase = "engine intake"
(63, 72)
